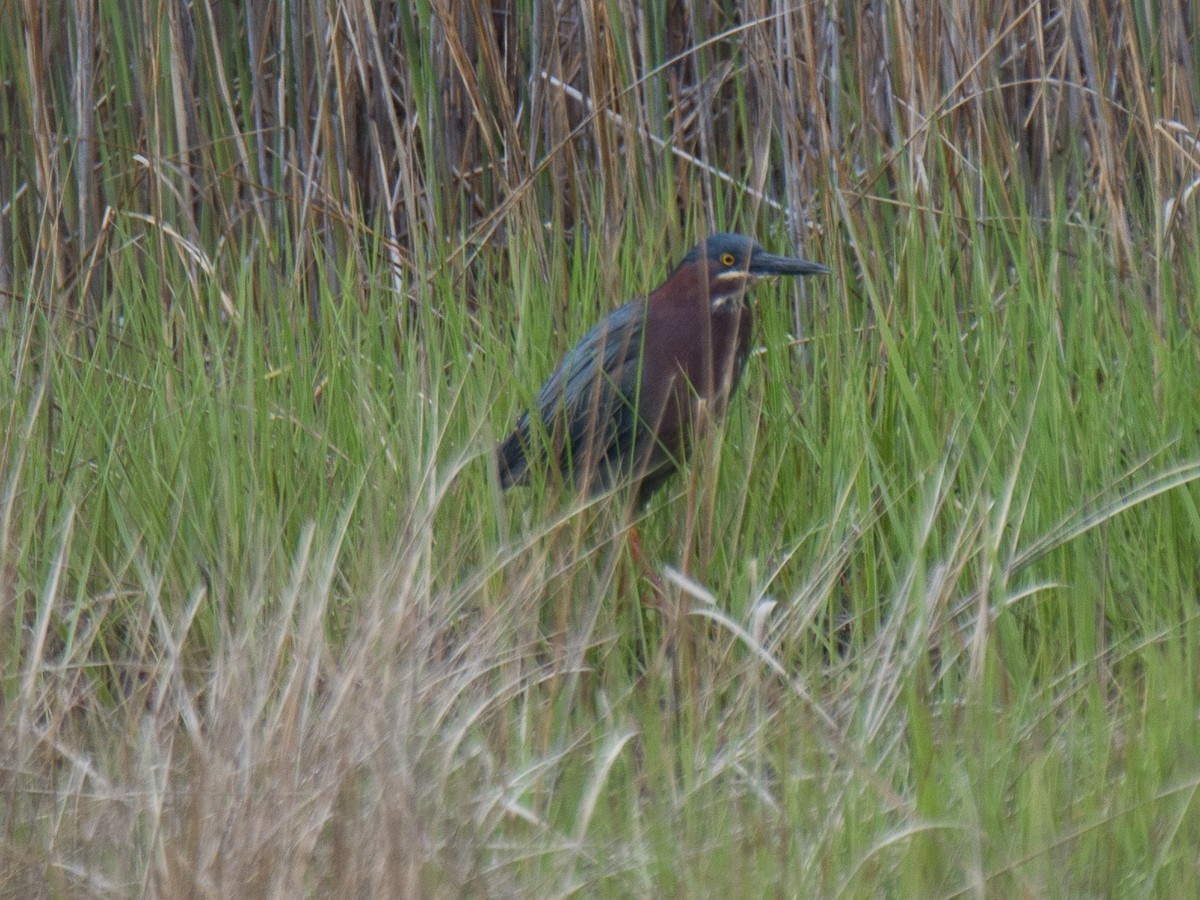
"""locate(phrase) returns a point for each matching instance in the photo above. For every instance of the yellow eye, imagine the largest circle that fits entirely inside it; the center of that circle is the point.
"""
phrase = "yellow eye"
(727, 259)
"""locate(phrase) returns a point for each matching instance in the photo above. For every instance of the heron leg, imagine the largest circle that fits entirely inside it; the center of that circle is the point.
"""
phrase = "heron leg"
(657, 599)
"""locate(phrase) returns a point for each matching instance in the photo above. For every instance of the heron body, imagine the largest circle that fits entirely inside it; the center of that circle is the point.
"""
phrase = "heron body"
(624, 404)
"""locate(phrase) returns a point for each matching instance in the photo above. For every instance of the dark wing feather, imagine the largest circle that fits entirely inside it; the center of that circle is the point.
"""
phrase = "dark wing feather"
(586, 405)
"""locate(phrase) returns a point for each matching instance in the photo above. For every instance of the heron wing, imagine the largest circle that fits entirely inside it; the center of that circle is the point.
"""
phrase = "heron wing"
(588, 405)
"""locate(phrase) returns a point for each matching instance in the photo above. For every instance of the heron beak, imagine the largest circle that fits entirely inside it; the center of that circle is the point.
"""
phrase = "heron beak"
(764, 265)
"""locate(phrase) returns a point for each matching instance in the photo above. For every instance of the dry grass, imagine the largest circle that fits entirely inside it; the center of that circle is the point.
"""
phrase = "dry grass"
(437, 125)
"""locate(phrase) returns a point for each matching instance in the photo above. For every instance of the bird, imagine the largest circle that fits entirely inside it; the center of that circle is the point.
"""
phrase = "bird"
(622, 407)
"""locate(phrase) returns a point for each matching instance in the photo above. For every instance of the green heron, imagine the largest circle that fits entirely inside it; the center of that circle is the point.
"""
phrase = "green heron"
(622, 405)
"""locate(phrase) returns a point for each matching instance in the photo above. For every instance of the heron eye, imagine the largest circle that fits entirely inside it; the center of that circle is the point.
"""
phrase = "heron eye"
(727, 259)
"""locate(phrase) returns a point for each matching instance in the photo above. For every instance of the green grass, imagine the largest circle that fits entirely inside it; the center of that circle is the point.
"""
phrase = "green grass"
(262, 583)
